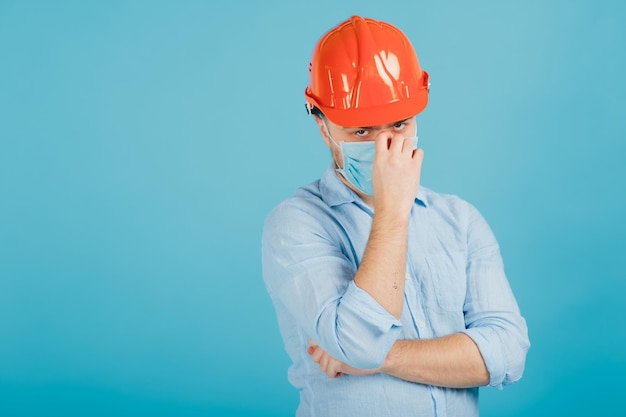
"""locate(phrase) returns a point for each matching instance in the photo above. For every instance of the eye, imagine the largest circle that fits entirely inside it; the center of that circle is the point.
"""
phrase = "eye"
(361, 133)
(399, 125)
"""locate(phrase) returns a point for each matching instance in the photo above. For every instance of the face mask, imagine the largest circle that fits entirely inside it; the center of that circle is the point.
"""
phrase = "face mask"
(358, 161)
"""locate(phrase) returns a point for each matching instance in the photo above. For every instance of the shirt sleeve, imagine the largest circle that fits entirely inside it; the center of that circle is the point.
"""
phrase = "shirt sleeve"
(492, 315)
(306, 271)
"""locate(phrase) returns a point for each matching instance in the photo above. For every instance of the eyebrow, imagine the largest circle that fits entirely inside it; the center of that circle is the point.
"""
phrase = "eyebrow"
(371, 127)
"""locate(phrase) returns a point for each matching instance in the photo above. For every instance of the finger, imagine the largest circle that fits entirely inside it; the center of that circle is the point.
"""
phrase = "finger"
(408, 145)
(317, 355)
(335, 372)
(312, 343)
(381, 143)
(332, 366)
(323, 363)
(397, 144)
(329, 366)
(418, 155)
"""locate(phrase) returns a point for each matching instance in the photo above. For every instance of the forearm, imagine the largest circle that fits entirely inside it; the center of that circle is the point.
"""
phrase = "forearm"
(383, 267)
(452, 361)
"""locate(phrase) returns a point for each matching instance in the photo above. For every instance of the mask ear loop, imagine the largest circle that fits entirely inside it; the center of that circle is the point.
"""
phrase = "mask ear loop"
(333, 141)
(328, 133)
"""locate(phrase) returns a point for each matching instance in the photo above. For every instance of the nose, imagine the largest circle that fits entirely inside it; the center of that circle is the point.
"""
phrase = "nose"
(385, 134)
(388, 133)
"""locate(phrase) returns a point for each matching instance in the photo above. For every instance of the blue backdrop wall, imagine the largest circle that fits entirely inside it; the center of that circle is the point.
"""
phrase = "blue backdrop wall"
(143, 143)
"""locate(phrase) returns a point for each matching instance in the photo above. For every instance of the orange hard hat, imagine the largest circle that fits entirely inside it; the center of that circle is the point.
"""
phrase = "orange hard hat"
(365, 72)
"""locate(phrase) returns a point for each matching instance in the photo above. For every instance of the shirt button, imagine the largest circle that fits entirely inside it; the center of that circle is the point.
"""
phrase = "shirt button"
(421, 324)
(407, 276)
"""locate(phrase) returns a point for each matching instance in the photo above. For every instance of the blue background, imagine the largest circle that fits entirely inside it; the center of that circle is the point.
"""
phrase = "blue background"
(142, 144)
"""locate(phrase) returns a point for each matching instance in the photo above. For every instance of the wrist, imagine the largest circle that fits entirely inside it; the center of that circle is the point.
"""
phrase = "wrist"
(396, 208)
(387, 366)
(392, 216)
(393, 360)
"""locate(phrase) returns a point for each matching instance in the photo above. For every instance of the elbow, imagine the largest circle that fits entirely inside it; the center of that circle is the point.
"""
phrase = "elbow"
(363, 347)
(356, 330)
(516, 362)
(504, 353)
(362, 344)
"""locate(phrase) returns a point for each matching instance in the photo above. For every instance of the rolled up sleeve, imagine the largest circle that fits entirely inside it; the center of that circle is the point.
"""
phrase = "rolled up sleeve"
(306, 271)
(492, 316)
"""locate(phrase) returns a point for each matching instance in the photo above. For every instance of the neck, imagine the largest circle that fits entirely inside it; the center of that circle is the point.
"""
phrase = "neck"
(367, 199)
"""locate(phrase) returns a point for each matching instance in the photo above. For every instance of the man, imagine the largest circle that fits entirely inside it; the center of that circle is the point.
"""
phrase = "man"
(391, 298)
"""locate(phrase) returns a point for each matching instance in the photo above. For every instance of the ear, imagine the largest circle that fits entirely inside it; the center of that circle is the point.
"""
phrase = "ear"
(323, 130)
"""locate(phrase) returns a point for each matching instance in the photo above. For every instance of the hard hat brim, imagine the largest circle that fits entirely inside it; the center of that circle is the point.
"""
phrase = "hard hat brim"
(373, 116)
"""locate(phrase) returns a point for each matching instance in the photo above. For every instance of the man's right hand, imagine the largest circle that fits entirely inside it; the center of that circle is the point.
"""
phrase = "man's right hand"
(331, 366)
(396, 174)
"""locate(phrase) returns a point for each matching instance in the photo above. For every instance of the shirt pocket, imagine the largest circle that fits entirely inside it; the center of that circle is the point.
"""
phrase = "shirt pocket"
(446, 281)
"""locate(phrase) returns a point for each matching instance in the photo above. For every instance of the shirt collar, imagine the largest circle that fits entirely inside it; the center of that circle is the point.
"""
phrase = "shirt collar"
(334, 192)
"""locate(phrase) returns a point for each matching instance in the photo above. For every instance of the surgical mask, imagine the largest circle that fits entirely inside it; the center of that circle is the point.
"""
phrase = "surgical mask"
(358, 161)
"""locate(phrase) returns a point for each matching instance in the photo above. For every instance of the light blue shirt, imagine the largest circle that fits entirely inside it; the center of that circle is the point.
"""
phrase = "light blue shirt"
(313, 244)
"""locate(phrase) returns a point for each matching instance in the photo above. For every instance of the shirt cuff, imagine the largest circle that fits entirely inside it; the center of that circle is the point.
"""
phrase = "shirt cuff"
(491, 352)
(368, 330)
